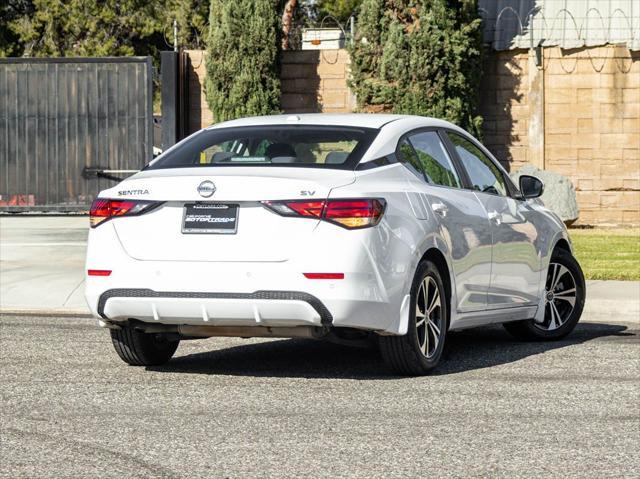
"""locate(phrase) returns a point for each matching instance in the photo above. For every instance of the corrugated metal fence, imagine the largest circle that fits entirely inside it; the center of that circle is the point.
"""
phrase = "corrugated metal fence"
(59, 115)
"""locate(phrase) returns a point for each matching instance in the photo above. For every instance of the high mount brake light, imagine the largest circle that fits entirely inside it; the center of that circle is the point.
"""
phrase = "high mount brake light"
(350, 213)
(103, 209)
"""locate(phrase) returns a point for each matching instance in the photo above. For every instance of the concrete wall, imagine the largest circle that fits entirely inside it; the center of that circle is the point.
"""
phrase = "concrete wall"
(577, 113)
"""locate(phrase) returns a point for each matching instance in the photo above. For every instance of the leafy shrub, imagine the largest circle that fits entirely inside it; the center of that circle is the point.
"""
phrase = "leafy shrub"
(419, 57)
(242, 59)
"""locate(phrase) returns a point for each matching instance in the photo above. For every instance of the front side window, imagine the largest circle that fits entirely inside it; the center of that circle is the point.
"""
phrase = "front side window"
(271, 145)
(434, 159)
(485, 176)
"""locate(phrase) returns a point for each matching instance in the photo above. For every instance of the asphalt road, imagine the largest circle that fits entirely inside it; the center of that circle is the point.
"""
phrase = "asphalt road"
(293, 408)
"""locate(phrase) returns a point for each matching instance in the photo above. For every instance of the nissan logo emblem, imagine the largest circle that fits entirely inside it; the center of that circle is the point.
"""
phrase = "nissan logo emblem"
(206, 189)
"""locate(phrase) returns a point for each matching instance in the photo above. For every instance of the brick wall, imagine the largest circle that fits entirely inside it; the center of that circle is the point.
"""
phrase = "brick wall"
(312, 81)
(592, 130)
(315, 81)
(505, 107)
(579, 116)
(200, 116)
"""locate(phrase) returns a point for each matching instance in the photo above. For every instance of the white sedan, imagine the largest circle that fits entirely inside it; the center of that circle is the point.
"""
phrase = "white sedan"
(338, 227)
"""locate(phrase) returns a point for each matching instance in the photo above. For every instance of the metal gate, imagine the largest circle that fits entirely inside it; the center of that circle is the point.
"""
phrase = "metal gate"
(59, 116)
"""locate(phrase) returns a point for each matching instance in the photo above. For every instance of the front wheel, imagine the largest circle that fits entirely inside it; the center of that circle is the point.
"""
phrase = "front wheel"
(142, 349)
(419, 351)
(564, 296)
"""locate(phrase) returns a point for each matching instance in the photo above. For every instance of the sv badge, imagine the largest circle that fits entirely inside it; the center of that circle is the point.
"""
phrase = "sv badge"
(307, 193)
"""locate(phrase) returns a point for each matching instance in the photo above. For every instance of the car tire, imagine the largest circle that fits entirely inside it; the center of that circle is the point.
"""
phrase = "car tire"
(137, 348)
(419, 351)
(567, 277)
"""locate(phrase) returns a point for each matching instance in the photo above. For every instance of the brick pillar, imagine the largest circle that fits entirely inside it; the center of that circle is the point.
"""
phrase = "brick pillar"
(536, 108)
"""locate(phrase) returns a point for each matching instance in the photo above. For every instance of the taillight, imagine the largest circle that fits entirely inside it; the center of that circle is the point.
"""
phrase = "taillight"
(103, 209)
(350, 213)
(306, 208)
(354, 213)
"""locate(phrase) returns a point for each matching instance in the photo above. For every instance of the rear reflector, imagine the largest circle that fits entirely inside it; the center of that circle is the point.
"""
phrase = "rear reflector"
(324, 275)
(349, 213)
(103, 209)
(98, 272)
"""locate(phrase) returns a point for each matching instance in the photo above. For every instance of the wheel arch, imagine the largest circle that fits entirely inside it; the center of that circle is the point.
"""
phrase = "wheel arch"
(563, 244)
(437, 257)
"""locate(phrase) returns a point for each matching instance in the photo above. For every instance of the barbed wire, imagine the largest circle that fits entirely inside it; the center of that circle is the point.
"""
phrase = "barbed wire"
(497, 31)
(535, 14)
(547, 36)
(202, 53)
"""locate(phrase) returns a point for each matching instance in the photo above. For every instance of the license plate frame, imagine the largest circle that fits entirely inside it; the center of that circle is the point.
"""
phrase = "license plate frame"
(207, 213)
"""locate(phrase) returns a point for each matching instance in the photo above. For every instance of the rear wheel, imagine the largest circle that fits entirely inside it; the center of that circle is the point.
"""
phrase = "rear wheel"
(142, 349)
(419, 351)
(563, 302)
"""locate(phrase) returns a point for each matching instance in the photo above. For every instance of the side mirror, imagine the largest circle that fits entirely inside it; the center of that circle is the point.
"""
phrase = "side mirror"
(531, 187)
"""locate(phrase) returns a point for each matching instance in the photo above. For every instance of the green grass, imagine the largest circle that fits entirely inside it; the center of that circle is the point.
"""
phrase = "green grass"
(608, 253)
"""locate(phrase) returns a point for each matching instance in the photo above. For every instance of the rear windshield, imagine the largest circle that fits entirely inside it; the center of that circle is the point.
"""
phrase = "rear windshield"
(273, 145)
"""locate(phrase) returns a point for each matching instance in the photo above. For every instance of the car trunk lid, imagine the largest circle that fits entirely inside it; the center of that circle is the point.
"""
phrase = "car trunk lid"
(261, 235)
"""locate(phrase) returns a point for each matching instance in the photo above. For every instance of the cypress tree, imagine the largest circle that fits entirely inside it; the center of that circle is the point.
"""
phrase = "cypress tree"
(242, 59)
(419, 57)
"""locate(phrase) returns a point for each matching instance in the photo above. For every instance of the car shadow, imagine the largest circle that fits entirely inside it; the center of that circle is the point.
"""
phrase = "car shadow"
(300, 358)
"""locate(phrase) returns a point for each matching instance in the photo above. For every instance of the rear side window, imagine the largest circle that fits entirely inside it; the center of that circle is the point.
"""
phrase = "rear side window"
(485, 176)
(434, 159)
(409, 158)
(271, 145)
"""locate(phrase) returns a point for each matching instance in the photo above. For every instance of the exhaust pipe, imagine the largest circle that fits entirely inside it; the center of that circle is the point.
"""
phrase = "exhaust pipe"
(197, 331)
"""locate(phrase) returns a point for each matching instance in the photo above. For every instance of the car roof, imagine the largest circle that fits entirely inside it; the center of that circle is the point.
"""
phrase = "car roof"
(366, 120)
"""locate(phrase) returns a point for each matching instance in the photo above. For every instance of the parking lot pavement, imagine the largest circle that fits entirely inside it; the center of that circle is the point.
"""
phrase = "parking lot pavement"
(294, 408)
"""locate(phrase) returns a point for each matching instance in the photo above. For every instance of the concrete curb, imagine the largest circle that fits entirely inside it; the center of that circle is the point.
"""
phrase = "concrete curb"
(618, 301)
(68, 313)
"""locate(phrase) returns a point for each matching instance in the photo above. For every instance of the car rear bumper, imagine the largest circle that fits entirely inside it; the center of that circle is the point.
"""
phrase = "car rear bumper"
(262, 308)
(236, 294)
(367, 294)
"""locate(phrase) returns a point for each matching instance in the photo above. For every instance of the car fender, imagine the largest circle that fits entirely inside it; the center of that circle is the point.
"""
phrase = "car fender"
(432, 241)
(560, 235)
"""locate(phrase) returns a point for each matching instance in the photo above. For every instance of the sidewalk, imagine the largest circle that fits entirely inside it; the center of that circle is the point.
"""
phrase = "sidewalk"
(42, 264)
(615, 300)
(42, 271)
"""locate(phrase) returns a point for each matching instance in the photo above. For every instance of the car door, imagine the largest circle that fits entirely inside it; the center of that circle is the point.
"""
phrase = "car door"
(515, 265)
(462, 219)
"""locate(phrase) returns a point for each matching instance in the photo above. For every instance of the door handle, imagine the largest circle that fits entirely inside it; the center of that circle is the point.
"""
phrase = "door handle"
(495, 217)
(440, 209)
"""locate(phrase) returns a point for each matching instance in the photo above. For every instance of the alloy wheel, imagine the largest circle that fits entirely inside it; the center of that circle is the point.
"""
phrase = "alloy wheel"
(559, 297)
(428, 317)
